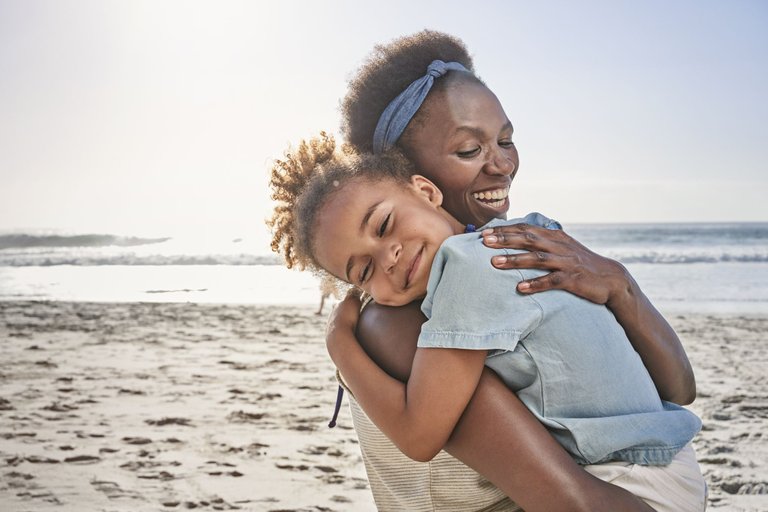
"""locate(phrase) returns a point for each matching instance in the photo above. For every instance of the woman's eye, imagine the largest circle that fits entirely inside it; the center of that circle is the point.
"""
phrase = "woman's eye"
(469, 153)
(506, 143)
(383, 227)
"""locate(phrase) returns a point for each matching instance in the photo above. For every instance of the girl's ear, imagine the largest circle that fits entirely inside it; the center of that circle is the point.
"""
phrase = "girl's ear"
(427, 189)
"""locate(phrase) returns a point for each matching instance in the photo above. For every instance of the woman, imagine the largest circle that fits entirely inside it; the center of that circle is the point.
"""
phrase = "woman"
(474, 170)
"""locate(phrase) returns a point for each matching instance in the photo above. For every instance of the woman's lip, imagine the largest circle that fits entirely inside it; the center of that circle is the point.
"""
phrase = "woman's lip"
(503, 207)
(413, 267)
(498, 206)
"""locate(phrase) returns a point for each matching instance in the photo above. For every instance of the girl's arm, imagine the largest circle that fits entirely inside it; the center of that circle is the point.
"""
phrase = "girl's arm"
(419, 415)
(496, 435)
(576, 269)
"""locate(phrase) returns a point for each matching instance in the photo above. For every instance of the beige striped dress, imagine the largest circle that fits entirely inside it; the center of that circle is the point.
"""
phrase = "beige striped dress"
(401, 484)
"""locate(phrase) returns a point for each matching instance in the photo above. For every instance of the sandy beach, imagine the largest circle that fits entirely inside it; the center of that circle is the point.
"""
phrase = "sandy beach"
(148, 406)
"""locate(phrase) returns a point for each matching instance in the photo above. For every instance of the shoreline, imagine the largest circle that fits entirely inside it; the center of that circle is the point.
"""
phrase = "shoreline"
(170, 406)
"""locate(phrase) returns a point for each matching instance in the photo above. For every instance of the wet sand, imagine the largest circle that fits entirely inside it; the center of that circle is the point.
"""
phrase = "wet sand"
(145, 406)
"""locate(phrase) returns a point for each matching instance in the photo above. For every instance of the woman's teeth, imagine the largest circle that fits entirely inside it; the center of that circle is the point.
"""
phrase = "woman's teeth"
(493, 198)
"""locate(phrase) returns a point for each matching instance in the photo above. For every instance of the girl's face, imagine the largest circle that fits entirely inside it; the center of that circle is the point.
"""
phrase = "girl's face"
(464, 145)
(383, 236)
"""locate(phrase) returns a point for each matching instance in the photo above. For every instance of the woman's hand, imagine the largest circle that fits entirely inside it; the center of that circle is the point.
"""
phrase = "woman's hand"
(573, 267)
(576, 269)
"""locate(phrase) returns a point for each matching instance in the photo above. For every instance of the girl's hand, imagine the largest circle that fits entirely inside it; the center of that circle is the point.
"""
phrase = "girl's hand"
(573, 267)
(342, 322)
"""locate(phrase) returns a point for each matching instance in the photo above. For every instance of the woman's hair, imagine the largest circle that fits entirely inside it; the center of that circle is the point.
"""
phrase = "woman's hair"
(306, 178)
(387, 71)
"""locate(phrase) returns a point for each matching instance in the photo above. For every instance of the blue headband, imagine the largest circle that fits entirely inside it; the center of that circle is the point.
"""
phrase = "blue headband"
(401, 110)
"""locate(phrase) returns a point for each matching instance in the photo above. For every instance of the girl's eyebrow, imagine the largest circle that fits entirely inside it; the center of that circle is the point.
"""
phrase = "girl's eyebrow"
(366, 218)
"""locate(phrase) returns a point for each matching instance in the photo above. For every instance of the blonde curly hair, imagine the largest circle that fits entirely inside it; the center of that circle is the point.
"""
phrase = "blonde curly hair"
(305, 178)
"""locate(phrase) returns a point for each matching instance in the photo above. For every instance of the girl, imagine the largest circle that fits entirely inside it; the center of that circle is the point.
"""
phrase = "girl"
(364, 221)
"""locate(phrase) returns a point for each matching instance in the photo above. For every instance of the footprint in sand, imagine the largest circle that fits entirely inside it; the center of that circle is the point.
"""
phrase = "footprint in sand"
(83, 459)
(137, 440)
(170, 421)
(739, 487)
(113, 491)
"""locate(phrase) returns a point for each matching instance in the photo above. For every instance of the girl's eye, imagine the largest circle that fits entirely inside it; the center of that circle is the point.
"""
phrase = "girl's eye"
(469, 153)
(384, 224)
(364, 273)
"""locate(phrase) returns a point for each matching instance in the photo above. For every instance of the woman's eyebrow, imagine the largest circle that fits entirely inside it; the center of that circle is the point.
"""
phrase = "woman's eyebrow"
(366, 218)
(478, 132)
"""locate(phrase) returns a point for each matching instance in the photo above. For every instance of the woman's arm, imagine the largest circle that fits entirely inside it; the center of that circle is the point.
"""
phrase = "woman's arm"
(420, 414)
(496, 435)
(576, 269)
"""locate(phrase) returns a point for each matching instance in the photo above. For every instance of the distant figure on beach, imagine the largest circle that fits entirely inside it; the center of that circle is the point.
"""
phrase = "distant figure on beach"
(448, 138)
(325, 292)
(323, 296)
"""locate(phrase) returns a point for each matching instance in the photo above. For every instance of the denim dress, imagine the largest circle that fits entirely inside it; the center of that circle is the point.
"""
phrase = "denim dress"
(568, 359)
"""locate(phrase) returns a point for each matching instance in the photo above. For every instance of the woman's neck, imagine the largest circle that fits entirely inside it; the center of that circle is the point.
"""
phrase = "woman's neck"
(457, 227)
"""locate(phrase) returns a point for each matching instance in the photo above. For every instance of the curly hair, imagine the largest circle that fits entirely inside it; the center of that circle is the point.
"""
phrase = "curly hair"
(387, 71)
(304, 180)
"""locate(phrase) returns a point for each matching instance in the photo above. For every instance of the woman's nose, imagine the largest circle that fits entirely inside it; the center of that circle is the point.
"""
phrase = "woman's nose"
(499, 163)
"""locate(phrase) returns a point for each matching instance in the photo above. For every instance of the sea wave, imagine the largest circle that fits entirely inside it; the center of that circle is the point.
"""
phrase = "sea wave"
(677, 258)
(53, 258)
(23, 241)
(47, 260)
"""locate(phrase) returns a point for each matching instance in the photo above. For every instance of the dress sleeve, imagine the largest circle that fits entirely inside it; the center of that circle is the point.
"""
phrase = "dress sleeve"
(471, 304)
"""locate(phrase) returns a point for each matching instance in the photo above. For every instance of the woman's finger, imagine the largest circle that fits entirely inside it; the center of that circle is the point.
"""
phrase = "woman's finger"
(551, 281)
(523, 237)
(536, 259)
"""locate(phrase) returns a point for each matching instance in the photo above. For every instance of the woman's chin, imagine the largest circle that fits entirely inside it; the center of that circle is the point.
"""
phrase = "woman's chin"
(486, 212)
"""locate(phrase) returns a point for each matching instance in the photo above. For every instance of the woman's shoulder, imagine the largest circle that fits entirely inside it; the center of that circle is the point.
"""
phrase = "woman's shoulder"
(376, 318)
(389, 335)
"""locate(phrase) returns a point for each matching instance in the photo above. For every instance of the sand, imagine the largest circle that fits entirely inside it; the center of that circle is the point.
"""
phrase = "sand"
(221, 407)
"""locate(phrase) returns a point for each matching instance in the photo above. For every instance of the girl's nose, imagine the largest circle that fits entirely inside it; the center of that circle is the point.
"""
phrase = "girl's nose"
(389, 256)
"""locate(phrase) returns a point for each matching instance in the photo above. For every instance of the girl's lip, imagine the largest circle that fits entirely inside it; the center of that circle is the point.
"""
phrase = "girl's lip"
(413, 267)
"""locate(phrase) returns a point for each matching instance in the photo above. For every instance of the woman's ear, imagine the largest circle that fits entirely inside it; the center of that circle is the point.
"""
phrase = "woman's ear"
(427, 189)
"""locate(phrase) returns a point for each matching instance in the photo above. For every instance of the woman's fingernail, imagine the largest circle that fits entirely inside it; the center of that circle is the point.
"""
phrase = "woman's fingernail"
(499, 259)
(524, 285)
(487, 231)
(491, 239)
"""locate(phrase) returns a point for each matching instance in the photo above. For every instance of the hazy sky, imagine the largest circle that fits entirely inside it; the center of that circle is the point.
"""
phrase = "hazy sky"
(161, 117)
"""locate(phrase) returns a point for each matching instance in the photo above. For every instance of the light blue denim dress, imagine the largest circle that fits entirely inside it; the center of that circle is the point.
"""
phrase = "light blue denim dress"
(568, 359)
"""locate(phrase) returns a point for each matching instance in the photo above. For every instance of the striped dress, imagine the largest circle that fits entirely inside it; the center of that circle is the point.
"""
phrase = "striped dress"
(401, 484)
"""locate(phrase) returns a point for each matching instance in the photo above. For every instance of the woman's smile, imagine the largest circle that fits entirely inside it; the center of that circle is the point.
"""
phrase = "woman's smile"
(495, 199)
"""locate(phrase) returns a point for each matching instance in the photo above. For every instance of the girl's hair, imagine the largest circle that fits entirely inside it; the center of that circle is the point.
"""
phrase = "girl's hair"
(387, 71)
(306, 178)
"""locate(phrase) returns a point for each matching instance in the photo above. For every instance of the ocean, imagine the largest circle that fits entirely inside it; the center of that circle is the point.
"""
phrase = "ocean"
(696, 267)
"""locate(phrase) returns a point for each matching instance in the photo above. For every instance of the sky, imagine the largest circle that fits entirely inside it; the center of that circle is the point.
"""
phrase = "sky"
(162, 117)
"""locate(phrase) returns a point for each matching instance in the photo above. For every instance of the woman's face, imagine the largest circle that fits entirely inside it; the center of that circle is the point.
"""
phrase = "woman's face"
(464, 145)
